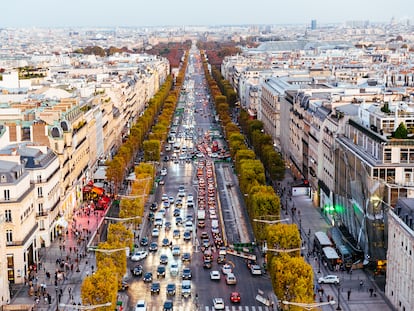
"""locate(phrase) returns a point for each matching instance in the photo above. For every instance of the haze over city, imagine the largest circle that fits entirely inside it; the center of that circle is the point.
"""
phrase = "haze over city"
(48, 13)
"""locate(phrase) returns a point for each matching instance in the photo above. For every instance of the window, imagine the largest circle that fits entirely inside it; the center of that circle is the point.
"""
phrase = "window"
(387, 156)
(404, 156)
(9, 236)
(39, 178)
(7, 195)
(8, 215)
(40, 192)
(40, 207)
(41, 224)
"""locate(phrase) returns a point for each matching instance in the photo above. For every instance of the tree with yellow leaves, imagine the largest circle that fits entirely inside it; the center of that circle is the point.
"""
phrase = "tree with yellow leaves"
(292, 279)
(284, 236)
(101, 287)
(118, 258)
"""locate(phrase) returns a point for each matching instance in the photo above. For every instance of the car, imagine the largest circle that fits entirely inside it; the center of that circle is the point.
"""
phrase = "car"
(165, 242)
(176, 251)
(186, 274)
(153, 247)
(215, 275)
(190, 197)
(176, 234)
(161, 271)
(329, 279)
(187, 235)
(137, 270)
(170, 289)
(151, 216)
(226, 268)
(168, 305)
(178, 221)
(174, 269)
(147, 278)
(179, 203)
(255, 270)
(186, 257)
(235, 297)
(144, 241)
(218, 303)
(176, 212)
(155, 288)
(207, 264)
(231, 279)
(141, 306)
(139, 255)
(163, 259)
(166, 204)
(171, 200)
(221, 259)
(164, 197)
(124, 286)
(155, 233)
(167, 225)
(164, 171)
(153, 206)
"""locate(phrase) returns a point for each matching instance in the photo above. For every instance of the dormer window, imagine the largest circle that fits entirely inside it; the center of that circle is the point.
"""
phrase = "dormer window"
(3, 178)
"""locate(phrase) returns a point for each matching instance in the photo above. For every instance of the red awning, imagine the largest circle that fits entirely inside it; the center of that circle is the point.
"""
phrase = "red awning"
(98, 190)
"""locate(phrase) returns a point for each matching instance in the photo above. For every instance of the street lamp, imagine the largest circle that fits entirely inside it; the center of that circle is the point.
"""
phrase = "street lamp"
(270, 222)
(107, 251)
(339, 298)
(86, 307)
(282, 250)
(308, 306)
(122, 219)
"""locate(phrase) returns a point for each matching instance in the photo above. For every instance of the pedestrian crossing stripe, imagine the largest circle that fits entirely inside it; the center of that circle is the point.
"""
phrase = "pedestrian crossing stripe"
(240, 308)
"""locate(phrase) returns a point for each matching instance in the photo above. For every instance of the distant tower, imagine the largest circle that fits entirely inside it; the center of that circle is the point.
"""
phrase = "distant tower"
(313, 24)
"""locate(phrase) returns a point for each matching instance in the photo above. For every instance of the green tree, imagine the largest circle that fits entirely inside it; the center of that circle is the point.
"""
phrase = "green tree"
(152, 150)
(401, 132)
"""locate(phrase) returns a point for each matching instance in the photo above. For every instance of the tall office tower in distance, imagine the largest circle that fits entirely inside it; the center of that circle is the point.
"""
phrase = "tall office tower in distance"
(313, 24)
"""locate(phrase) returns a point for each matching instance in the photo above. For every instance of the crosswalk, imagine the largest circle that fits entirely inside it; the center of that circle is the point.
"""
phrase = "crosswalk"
(240, 308)
(211, 308)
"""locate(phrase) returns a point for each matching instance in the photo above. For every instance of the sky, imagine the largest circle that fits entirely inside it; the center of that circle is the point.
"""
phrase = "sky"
(130, 13)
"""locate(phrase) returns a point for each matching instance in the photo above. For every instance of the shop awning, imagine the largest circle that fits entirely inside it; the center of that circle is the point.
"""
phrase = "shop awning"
(62, 222)
(98, 190)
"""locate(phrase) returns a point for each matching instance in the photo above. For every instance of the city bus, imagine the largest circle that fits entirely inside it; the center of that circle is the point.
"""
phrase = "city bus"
(321, 240)
(331, 257)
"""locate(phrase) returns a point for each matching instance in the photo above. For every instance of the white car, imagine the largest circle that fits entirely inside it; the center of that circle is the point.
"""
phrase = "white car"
(218, 303)
(141, 306)
(139, 255)
(155, 232)
(164, 197)
(215, 275)
(176, 251)
(329, 279)
(226, 269)
(174, 269)
(231, 279)
(255, 270)
(163, 172)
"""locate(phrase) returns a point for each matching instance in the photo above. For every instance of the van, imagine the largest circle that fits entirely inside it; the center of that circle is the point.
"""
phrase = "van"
(186, 288)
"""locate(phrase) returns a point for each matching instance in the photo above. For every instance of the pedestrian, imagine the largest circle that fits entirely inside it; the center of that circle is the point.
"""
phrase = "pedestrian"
(349, 294)
(371, 292)
(361, 284)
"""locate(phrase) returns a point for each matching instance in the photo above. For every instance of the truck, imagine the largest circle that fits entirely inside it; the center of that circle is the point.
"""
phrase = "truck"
(201, 214)
(186, 288)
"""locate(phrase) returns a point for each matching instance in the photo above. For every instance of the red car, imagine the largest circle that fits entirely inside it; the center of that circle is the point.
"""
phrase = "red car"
(235, 297)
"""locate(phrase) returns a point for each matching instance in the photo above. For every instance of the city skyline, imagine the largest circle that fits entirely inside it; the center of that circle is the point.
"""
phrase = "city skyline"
(93, 13)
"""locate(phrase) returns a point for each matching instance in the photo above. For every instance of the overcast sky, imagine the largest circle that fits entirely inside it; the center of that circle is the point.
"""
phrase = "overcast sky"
(89, 13)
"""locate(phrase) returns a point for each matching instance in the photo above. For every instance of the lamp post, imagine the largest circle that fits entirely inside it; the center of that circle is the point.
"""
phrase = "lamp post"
(308, 306)
(339, 298)
(85, 307)
(270, 222)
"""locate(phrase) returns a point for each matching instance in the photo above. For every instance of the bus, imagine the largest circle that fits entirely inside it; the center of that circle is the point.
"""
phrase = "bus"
(331, 257)
(321, 240)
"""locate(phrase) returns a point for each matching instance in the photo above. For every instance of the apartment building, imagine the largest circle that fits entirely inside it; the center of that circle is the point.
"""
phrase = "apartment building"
(29, 204)
(399, 287)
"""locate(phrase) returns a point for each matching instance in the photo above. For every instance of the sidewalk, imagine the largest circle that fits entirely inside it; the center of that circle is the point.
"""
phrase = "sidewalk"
(310, 220)
(63, 265)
